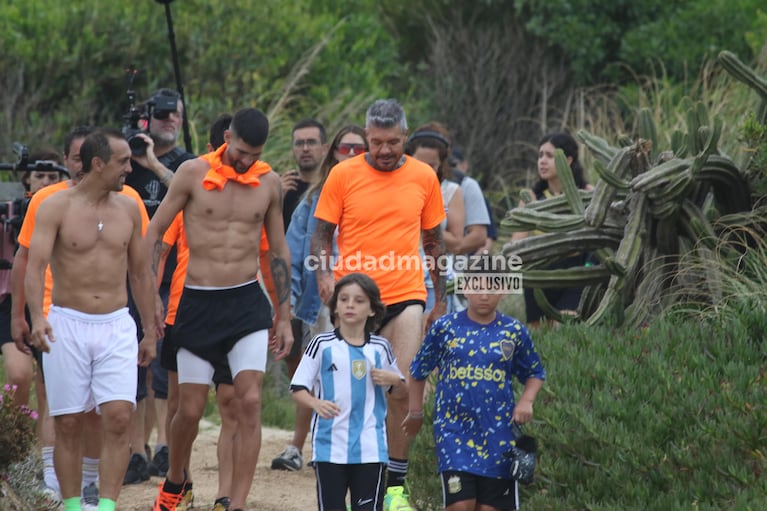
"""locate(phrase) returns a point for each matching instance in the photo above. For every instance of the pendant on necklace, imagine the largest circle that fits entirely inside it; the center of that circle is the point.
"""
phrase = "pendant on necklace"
(100, 225)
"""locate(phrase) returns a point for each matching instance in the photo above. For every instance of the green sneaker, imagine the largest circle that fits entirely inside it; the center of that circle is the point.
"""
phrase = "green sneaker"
(396, 499)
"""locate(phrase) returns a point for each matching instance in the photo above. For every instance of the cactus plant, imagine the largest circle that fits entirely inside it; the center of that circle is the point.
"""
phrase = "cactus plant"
(647, 209)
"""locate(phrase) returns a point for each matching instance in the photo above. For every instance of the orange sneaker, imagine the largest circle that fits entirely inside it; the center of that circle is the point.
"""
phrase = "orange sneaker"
(167, 501)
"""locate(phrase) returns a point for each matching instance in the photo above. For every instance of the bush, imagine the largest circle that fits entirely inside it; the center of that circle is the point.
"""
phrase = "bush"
(17, 434)
(669, 417)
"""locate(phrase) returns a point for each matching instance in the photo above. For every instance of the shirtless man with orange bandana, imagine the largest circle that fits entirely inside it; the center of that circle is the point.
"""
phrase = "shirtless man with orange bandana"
(223, 318)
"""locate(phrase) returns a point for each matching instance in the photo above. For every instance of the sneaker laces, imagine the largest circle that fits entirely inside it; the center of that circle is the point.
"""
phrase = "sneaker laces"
(168, 501)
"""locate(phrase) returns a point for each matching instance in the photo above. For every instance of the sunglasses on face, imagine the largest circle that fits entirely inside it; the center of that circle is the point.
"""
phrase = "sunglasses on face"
(351, 148)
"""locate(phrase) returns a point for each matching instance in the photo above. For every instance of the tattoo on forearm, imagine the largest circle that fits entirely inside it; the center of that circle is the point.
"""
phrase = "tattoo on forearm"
(280, 277)
(434, 246)
(322, 246)
(156, 256)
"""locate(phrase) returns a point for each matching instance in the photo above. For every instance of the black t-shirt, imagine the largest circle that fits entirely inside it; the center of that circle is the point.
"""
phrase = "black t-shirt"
(152, 192)
(148, 185)
(292, 198)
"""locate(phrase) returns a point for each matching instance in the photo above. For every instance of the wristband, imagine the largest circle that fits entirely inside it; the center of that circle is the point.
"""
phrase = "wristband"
(415, 415)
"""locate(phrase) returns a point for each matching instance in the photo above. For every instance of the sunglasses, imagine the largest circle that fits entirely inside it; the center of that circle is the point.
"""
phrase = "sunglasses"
(351, 148)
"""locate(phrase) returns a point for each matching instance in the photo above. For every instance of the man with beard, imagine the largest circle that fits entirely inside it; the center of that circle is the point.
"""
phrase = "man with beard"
(383, 204)
(151, 174)
(310, 143)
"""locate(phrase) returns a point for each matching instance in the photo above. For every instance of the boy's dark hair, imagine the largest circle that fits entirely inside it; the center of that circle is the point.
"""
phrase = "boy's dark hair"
(251, 126)
(97, 145)
(217, 130)
(77, 132)
(311, 123)
(370, 288)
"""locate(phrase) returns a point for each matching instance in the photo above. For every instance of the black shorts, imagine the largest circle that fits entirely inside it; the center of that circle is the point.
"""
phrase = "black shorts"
(297, 326)
(5, 330)
(210, 321)
(395, 309)
(168, 350)
(169, 362)
(365, 483)
(498, 493)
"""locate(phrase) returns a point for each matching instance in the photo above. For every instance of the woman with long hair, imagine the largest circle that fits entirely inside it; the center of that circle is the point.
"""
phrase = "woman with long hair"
(549, 185)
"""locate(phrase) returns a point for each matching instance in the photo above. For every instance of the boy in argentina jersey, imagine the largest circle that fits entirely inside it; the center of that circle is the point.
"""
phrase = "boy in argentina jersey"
(350, 370)
(477, 351)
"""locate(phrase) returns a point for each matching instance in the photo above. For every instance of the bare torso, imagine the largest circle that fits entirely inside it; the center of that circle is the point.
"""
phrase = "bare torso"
(223, 228)
(90, 265)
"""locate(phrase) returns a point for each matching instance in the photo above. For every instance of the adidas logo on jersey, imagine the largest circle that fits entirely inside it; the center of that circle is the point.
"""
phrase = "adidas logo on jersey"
(332, 367)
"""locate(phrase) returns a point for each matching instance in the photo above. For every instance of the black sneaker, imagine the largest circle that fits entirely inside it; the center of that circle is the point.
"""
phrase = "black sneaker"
(137, 470)
(159, 464)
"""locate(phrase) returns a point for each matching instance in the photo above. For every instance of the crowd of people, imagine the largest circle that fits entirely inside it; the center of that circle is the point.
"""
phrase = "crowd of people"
(199, 266)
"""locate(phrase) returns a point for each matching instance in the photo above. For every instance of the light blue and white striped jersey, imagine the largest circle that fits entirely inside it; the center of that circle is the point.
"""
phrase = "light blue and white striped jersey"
(340, 372)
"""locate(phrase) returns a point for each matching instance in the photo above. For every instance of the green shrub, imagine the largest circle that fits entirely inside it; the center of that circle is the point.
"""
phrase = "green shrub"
(669, 417)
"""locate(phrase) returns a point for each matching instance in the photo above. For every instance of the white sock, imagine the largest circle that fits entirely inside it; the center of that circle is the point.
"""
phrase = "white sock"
(90, 471)
(49, 472)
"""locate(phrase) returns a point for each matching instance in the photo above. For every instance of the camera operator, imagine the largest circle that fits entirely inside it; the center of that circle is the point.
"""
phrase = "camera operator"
(152, 173)
(41, 177)
(19, 366)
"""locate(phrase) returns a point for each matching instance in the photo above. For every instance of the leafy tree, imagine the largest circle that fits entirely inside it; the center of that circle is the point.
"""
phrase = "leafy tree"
(600, 37)
(64, 63)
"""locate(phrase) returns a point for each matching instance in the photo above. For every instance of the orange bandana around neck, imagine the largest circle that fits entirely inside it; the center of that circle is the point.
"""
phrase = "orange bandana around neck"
(219, 173)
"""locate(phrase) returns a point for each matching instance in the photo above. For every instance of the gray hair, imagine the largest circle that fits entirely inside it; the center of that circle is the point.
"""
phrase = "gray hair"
(386, 113)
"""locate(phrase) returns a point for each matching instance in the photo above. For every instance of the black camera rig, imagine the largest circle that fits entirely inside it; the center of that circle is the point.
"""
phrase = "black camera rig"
(139, 117)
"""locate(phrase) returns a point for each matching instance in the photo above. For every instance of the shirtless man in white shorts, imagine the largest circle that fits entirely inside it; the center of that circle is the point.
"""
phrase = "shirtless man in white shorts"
(91, 236)
(223, 317)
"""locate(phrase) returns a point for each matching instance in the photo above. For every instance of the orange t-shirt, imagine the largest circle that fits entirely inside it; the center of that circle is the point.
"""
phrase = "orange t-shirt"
(176, 235)
(28, 226)
(380, 217)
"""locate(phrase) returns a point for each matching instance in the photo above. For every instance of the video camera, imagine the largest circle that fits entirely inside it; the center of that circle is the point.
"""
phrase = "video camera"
(139, 118)
(12, 212)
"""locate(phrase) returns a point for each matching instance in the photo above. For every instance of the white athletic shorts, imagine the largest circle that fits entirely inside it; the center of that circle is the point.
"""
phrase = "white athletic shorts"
(94, 360)
(248, 354)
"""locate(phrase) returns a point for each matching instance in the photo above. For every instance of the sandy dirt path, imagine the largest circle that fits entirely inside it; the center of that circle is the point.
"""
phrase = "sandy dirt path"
(272, 490)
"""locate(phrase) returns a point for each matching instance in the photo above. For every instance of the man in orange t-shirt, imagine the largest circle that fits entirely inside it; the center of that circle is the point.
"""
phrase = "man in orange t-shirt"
(382, 202)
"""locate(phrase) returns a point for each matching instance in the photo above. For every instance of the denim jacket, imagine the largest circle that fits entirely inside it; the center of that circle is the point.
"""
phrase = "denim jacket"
(304, 296)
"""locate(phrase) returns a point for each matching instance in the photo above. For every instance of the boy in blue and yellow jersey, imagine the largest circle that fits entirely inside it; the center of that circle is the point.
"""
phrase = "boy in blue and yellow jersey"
(476, 351)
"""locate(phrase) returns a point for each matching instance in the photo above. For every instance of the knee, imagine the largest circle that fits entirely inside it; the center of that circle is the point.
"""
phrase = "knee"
(19, 374)
(249, 403)
(68, 426)
(190, 410)
(399, 399)
(117, 422)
